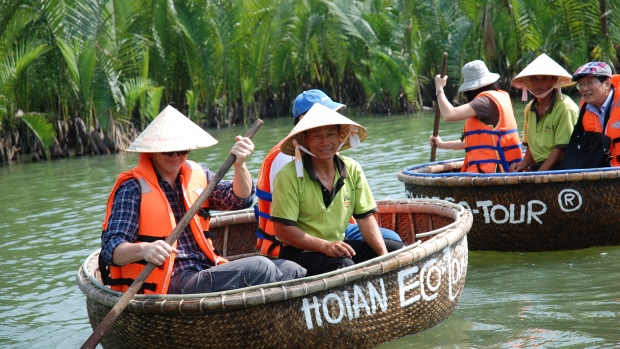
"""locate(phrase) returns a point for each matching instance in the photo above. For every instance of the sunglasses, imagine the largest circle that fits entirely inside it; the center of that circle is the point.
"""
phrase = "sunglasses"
(179, 153)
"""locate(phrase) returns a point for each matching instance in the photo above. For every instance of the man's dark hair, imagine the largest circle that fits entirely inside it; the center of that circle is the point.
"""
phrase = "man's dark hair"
(470, 95)
(602, 78)
(296, 120)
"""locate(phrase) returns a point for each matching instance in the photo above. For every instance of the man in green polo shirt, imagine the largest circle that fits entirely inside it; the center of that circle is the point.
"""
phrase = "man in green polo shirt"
(315, 196)
(549, 118)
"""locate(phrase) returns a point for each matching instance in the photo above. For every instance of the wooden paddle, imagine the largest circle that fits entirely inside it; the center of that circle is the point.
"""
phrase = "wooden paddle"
(437, 111)
(122, 303)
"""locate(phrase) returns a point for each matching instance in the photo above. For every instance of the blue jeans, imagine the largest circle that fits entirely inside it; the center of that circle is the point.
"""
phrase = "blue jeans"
(239, 273)
(353, 233)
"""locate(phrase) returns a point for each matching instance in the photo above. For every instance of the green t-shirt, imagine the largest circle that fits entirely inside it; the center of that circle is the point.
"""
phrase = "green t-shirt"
(553, 130)
(300, 201)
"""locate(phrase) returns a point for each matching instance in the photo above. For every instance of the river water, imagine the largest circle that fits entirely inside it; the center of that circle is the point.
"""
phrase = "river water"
(51, 216)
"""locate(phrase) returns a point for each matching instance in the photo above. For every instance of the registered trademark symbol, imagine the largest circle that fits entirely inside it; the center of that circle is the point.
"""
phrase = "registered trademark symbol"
(570, 200)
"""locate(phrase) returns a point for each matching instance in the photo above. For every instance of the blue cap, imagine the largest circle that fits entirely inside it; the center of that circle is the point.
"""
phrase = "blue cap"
(307, 99)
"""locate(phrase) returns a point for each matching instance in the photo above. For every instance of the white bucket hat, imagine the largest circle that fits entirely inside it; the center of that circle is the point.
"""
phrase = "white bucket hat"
(351, 133)
(475, 75)
(542, 65)
(171, 131)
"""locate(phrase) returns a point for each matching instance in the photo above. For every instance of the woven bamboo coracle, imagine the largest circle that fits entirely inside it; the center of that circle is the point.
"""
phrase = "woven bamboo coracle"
(399, 294)
(526, 211)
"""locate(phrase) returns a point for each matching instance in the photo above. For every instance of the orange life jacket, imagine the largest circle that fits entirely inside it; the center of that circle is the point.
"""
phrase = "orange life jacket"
(266, 242)
(591, 122)
(488, 148)
(158, 222)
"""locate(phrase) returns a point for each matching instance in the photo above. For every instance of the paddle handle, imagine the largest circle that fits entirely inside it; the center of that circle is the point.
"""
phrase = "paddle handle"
(122, 303)
(437, 111)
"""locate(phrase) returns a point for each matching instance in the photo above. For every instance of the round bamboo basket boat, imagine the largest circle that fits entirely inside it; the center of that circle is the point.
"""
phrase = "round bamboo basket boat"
(526, 211)
(403, 293)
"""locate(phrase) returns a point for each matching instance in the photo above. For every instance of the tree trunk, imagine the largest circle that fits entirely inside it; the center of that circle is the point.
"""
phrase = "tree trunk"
(37, 151)
(80, 136)
(58, 151)
(94, 149)
(98, 145)
(3, 158)
(10, 152)
(63, 133)
(15, 146)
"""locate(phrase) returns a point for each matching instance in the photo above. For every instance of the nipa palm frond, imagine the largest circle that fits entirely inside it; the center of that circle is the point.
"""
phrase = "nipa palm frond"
(41, 128)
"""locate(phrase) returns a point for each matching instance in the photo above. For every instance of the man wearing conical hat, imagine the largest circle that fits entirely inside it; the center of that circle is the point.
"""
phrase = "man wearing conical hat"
(149, 200)
(549, 118)
(274, 161)
(315, 196)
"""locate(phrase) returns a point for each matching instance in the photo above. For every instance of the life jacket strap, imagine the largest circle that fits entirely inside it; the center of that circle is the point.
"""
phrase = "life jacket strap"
(104, 270)
(261, 234)
(210, 234)
(492, 147)
(273, 247)
(128, 281)
(261, 214)
(146, 238)
(107, 280)
(263, 195)
(490, 132)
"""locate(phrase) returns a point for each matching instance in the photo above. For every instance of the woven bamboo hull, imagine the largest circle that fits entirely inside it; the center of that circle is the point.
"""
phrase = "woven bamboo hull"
(392, 296)
(529, 211)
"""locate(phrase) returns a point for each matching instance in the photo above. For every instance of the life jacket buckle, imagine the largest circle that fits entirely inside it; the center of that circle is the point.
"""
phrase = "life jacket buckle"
(204, 213)
(608, 153)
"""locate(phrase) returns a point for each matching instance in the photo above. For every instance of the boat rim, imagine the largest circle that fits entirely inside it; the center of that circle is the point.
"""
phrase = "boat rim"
(410, 171)
(458, 210)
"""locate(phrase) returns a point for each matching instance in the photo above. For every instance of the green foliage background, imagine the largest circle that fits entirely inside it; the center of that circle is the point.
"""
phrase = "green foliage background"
(231, 61)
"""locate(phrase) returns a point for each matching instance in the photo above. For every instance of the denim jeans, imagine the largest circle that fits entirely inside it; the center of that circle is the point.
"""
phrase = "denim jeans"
(239, 273)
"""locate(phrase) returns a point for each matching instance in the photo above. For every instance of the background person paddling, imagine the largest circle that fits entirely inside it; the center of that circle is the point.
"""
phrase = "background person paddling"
(490, 138)
(147, 202)
(549, 118)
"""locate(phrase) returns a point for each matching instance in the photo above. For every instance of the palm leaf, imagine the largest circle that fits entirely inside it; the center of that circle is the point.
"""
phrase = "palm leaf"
(42, 129)
(86, 67)
(350, 20)
(153, 101)
(7, 12)
(70, 59)
(134, 89)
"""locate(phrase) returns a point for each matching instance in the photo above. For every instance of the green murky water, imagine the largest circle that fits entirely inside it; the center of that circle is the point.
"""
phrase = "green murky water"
(51, 216)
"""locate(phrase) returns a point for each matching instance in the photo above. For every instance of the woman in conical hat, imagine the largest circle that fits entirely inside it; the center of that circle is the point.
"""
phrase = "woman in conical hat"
(549, 118)
(315, 196)
(149, 200)
(490, 138)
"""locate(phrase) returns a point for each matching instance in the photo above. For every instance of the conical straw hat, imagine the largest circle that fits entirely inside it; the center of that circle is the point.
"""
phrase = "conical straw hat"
(171, 131)
(318, 116)
(542, 65)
